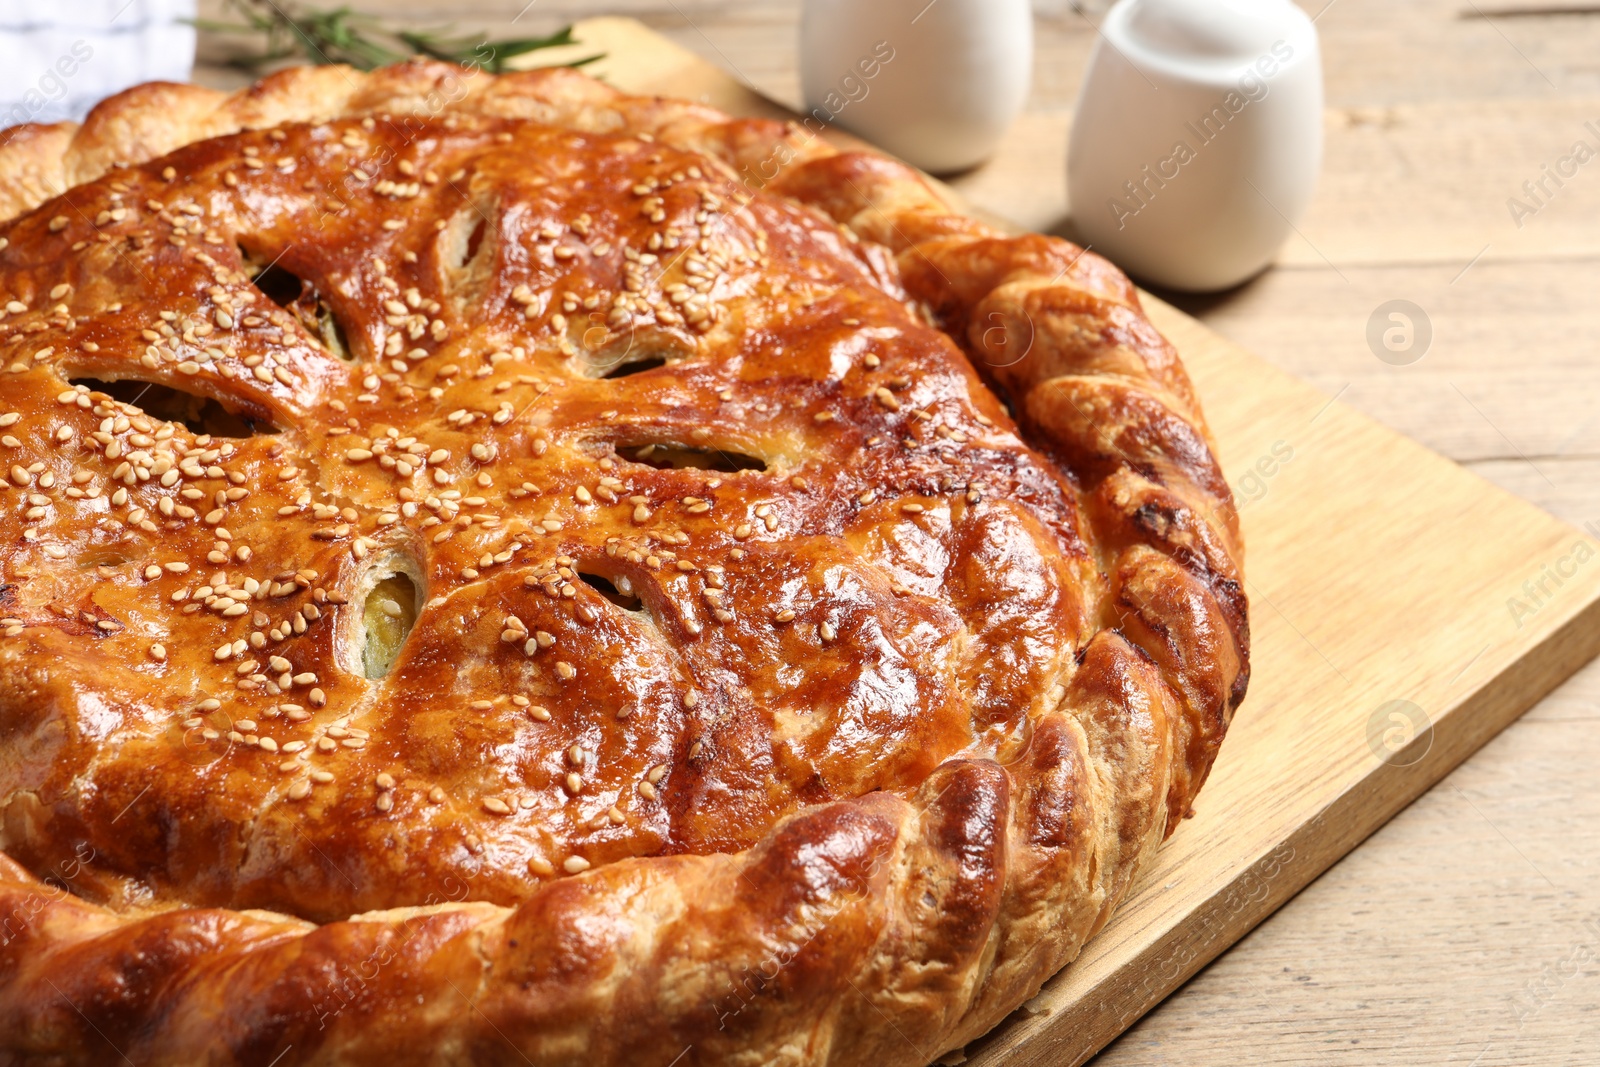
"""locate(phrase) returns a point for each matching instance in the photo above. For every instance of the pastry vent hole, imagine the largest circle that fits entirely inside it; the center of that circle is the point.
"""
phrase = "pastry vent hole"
(464, 237)
(635, 366)
(331, 332)
(200, 414)
(620, 592)
(609, 356)
(89, 561)
(680, 457)
(278, 285)
(300, 298)
(387, 616)
(467, 251)
(474, 242)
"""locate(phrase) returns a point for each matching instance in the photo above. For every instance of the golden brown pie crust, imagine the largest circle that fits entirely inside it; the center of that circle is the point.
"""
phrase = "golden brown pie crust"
(830, 760)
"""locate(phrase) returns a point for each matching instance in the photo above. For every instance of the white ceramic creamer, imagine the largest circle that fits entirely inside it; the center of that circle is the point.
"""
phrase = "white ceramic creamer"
(947, 78)
(1198, 137)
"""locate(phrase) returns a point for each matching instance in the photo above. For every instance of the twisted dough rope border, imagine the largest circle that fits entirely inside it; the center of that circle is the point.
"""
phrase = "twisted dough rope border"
(892, 928)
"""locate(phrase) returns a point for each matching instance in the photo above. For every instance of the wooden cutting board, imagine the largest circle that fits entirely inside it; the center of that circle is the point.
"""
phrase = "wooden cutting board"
(1403, 612)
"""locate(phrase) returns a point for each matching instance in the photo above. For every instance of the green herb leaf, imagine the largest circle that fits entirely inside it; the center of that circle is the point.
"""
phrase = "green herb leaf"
(340, 35)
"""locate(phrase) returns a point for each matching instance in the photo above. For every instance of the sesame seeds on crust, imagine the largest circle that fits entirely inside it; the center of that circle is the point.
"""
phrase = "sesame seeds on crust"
(626, 417)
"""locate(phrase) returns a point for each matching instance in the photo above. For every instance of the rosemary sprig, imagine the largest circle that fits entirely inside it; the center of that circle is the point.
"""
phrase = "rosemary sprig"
(340, 35)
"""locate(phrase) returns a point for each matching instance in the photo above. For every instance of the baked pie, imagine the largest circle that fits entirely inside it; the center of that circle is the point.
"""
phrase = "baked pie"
(497, 570)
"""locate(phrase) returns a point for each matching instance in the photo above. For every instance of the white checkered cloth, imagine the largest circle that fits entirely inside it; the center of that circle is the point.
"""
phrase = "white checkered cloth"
(61, 57)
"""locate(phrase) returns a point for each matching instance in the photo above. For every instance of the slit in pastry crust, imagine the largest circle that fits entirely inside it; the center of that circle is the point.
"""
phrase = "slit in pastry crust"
(388, 599)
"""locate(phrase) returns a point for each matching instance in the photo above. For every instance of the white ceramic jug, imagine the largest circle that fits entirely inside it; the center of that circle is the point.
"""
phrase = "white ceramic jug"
(1198, 137)
(937, 84)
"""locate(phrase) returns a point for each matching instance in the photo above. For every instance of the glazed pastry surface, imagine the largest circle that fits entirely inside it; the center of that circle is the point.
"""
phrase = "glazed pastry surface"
(498, 569)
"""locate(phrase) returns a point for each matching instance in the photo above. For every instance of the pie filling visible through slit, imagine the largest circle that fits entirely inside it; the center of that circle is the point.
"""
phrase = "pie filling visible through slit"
(507, 542)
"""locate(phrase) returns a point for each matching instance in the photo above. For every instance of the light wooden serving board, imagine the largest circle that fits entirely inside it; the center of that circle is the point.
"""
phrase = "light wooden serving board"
(1377, 571)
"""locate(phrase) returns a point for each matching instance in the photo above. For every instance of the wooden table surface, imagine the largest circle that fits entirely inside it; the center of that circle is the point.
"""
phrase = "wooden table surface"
(1466, 931)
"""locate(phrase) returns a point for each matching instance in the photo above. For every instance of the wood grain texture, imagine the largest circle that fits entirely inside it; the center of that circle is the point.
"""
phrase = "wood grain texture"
(1510, 372)
(1462, 931)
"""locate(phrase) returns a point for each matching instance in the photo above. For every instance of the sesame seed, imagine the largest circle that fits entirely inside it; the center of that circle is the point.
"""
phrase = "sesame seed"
(575, 865)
